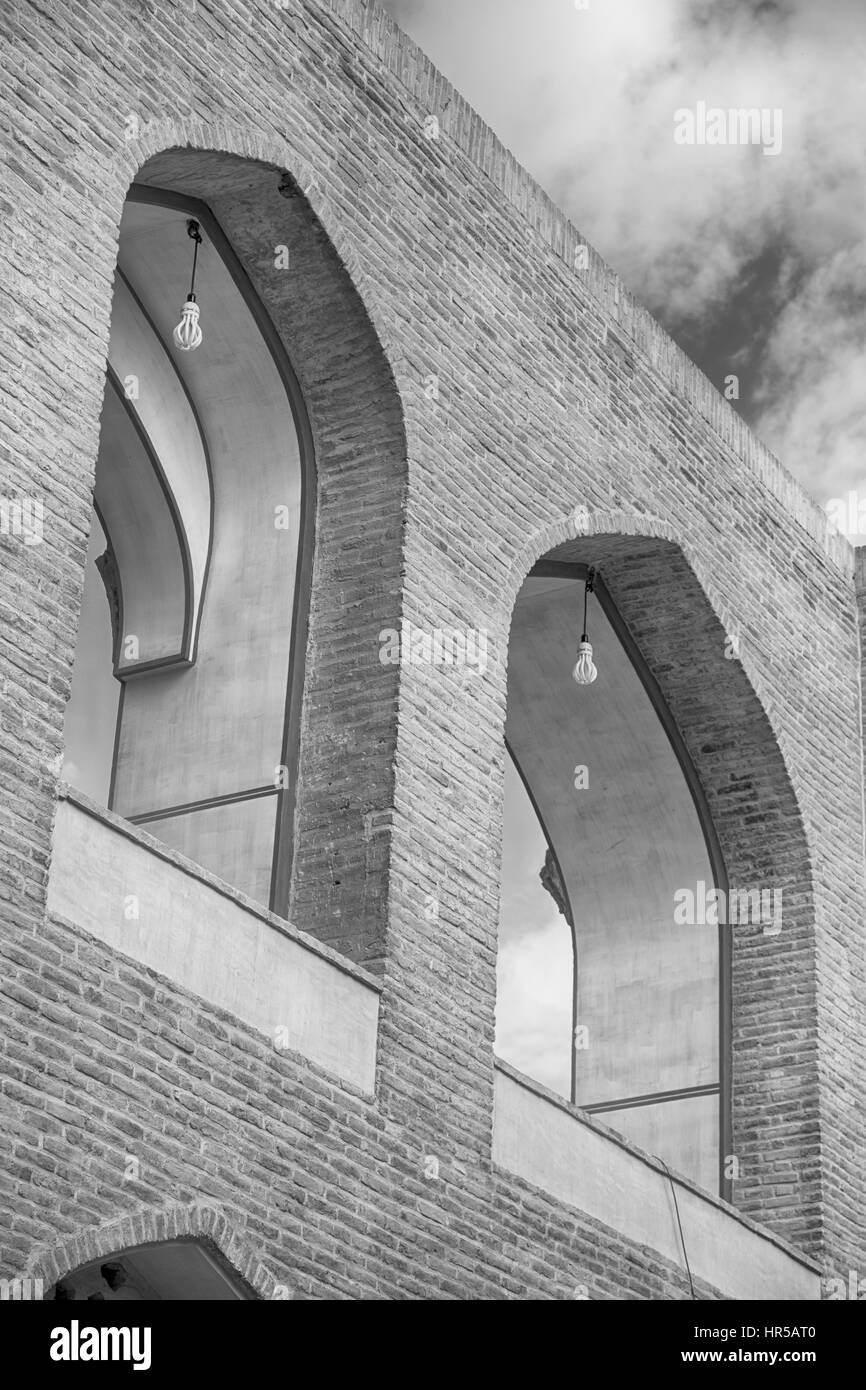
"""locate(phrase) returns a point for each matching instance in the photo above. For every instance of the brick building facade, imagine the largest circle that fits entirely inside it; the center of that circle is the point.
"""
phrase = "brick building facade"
(481, 394)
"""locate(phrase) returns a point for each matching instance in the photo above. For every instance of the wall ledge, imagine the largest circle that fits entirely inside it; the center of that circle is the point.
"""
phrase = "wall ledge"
(139, 836)
(148, 904)
(682, 1182)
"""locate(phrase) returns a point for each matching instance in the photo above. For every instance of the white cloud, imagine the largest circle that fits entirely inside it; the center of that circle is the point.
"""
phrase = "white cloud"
(534, 1004)
(586, 99)
(812, 411)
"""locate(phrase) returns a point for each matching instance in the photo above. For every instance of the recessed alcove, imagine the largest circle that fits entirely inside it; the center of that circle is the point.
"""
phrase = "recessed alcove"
(602, 996)
(198, 510)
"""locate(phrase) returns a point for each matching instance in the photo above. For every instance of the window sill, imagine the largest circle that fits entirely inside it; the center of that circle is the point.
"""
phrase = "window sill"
(145, 900)
(560, 1149)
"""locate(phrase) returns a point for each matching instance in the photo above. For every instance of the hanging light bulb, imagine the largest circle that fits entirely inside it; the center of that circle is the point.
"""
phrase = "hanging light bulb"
(585, 670)
(187, 336)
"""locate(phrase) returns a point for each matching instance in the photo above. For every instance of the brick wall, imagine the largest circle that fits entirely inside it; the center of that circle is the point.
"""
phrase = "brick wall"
(467, 388)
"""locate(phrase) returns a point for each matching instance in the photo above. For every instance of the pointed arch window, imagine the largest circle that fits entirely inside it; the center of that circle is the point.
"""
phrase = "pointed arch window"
(603, 825)
(184, 707)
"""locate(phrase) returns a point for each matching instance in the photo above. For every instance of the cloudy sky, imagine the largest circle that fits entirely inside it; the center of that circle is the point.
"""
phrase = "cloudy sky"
(755, 263)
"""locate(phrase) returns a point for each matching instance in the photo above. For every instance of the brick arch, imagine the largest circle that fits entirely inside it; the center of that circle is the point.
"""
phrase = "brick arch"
(681, 624)
(224, 137)
(619, 522)
(338, 886)
(206, 1223)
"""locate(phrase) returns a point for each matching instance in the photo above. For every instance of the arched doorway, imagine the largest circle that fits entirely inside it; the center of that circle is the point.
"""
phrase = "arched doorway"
(173, 1270)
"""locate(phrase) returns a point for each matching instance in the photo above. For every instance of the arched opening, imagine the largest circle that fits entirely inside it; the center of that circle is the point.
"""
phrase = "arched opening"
(285, 818)
(165, 1271)
(204, 472)
(605, 825)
